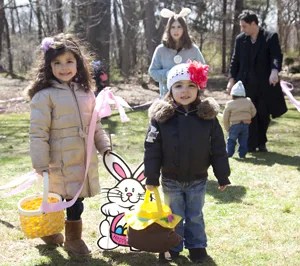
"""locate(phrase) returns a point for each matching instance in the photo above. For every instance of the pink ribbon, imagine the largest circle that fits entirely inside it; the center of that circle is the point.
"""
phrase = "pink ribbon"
(287, 87)
(23, 182)
(102, 109)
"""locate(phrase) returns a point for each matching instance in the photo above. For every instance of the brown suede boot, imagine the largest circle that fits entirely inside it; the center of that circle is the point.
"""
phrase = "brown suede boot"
(56, 239)
(74, 243)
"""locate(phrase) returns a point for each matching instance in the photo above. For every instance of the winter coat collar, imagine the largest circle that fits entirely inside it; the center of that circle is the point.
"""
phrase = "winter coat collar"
(64, 86)
(161, 110)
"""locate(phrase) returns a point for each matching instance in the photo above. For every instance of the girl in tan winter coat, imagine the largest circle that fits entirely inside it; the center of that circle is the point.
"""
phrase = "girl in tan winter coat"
(62, 104)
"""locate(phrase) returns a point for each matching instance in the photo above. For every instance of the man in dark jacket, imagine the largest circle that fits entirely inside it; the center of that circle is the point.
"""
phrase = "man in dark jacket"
(256, 61)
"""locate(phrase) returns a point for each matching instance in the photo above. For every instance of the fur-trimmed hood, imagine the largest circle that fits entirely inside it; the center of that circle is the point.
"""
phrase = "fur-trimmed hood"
(162, 110)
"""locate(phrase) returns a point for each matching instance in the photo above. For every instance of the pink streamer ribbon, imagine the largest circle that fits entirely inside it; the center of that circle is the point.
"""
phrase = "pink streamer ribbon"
(102, 109)
(21, 183)
(287, 87)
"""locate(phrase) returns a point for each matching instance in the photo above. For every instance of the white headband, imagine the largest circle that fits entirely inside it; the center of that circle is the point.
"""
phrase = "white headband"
(167, 13)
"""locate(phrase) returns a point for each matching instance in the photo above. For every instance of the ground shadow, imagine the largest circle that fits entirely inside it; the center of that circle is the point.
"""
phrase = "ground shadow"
(56, 257)
(271, 158)
(7, 224)
(131, 258)
(231, 194)
(144, 258)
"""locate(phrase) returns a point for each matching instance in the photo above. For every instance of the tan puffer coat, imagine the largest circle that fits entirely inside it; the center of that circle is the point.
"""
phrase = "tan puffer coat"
(59, 122)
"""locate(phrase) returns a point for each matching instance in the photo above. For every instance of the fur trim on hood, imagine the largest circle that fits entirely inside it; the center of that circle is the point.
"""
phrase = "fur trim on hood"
(162, 110)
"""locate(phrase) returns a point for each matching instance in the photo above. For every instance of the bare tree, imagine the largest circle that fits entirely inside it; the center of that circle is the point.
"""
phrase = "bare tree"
(147, 8)
(8, 44)
(38, 16)
(117, 52)
(99, 28)
(59, 16)
(12, 20)
(224, 41)
(2, 17)
(130, 30)
(238, 8)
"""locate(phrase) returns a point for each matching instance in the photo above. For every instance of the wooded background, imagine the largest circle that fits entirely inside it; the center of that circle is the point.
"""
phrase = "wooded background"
(124, 33)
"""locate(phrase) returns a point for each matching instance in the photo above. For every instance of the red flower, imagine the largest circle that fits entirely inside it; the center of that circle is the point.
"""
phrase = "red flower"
(198, 73)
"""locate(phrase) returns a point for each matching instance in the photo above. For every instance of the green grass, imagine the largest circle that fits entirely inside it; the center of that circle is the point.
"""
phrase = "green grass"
(254, 222)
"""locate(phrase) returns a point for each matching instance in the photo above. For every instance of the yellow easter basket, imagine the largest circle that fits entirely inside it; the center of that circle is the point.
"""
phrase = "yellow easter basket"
(151, 225)
(34, 223)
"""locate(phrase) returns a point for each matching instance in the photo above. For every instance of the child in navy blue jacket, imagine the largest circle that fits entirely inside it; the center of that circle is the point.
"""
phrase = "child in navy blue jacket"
(183, 140)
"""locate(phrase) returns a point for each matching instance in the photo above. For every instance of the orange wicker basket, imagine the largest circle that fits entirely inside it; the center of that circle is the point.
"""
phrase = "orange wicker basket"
(34, 223)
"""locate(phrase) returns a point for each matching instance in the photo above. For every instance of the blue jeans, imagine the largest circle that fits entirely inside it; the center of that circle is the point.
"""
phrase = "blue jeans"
(238, 132)
(187, 200)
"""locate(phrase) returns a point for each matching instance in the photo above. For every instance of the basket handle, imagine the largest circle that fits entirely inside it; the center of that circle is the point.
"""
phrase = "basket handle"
(45, 186)
(157, 199)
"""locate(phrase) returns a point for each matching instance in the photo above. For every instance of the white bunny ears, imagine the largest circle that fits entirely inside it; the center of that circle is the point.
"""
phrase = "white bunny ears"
(167, 13)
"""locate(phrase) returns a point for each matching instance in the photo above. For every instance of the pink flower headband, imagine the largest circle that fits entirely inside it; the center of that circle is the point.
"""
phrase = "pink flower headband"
(49, 42)
(167, 13)
(46, 44)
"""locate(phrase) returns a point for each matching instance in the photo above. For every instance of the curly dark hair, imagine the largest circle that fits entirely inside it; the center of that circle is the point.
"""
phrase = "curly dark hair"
(185, 40)
(61, 43)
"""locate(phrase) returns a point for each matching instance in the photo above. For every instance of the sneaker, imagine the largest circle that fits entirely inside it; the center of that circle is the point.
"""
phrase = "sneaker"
(262, 148)
(197, 255)
(168, 256)
(163, 258)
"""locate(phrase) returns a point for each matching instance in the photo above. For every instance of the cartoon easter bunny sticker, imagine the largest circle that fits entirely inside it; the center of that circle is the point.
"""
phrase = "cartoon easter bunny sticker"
(123, 197)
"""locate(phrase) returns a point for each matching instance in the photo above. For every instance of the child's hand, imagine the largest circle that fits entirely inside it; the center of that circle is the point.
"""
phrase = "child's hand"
(222, 188)
(150, 187)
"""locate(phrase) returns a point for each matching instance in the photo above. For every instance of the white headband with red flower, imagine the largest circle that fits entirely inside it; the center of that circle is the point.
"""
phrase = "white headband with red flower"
(192, 70)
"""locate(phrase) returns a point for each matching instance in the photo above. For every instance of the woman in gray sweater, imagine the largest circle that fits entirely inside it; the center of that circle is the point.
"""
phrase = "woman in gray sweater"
(177, 47)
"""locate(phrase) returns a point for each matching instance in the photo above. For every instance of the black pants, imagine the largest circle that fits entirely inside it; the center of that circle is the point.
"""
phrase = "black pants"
(259, 125)
(74, 212)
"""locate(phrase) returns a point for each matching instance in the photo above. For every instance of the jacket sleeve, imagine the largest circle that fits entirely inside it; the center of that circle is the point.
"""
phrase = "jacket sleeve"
(235, 60)
(252, 109)
(156, 70)
(152, 154)
(199, 55)
(275, 52)
(102, 140)
(219, 158)
(39, 131)
(226, 116)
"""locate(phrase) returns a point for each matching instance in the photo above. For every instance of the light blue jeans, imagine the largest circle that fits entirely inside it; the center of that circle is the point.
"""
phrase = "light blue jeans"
(187, 200)
(238, 132)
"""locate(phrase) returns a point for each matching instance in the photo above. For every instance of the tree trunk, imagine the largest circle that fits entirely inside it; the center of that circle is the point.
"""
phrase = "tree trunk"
(130, 30)
(118, 35)
(238, 8)
(9, 54)
(99, 29)
(2, 17)
(12, 20)
(224, 66)
(265, 13)
(79, 24)
(38, 17)
(59, 16)
(39, 20)
(150, 30)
